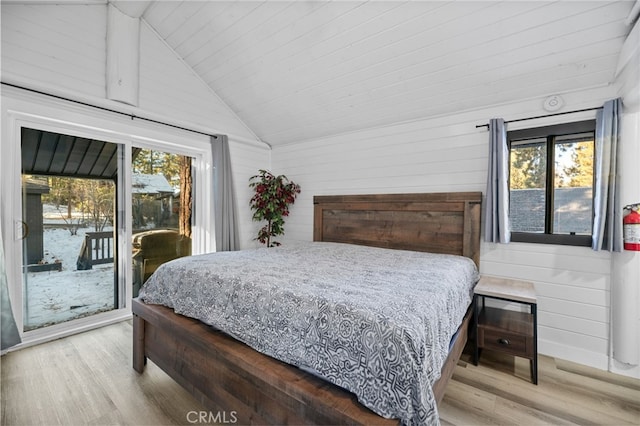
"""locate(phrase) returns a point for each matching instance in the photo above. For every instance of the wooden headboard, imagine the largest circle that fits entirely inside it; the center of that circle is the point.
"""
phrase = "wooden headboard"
(445, 222)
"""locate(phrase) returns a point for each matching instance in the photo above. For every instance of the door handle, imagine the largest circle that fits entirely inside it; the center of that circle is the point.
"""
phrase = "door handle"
(21, 225)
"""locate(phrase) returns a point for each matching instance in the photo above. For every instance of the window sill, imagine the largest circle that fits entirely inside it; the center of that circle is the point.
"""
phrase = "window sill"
(559, 239)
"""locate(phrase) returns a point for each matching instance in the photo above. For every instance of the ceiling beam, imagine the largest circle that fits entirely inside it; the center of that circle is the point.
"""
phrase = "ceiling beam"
(123, 56)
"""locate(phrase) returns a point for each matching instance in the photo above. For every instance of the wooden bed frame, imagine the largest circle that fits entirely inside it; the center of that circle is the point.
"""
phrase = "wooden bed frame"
(230, 378)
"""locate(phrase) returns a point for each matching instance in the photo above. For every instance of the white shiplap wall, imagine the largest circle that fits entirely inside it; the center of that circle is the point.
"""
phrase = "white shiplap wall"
(625, 330)
(449, 154)
(247, 160)
(61, 49)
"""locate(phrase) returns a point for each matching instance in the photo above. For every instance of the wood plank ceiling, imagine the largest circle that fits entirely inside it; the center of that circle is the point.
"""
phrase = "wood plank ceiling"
(301, 70)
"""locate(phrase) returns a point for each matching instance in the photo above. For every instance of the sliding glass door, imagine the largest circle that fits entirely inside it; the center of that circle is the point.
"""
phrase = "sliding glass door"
(75, 203)
(70, 238)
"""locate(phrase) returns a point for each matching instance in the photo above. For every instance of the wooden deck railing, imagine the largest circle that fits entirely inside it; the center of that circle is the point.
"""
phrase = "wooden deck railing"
(97, 248)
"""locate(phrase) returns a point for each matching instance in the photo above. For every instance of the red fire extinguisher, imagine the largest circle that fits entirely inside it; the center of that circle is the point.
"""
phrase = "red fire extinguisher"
(631, 227)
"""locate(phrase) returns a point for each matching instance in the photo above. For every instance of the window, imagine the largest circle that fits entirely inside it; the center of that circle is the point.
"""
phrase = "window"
(551, 183)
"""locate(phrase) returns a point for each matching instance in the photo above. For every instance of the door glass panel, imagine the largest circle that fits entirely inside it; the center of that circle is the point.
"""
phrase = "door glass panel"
(161, 207)
(68, 250)
(70, 233)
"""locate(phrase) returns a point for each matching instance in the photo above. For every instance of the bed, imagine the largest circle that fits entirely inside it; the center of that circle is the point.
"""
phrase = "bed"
(230, 377)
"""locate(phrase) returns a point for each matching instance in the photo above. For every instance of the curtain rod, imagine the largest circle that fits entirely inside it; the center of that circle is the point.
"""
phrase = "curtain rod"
(151, 120)
(542, 116)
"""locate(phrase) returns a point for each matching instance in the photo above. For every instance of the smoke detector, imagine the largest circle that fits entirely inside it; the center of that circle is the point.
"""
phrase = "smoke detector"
(553, 103)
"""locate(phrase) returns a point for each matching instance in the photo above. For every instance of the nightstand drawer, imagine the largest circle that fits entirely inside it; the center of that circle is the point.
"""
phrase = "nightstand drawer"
(503, 341)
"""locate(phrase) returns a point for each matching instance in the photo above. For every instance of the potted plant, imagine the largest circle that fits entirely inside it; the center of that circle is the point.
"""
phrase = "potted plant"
(271, 199)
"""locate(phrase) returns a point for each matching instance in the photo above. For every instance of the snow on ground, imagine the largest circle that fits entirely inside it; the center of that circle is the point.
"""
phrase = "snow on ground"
(57, 296)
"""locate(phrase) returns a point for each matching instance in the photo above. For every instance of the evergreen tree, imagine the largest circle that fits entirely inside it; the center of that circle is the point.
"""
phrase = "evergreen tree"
(528, 167)
(580, 172)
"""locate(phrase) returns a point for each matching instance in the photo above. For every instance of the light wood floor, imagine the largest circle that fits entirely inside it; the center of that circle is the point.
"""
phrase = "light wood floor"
(499, 391)
(87, 379)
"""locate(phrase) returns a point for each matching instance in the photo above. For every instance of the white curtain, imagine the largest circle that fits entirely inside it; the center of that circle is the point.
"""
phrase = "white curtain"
(496, 229)
(10, 334)
(224, 203)
(607, 220)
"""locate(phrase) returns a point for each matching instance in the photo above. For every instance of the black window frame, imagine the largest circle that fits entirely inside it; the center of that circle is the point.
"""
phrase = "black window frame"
(550, 133)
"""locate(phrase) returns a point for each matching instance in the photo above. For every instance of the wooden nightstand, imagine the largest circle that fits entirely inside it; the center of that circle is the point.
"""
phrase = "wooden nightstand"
(503, 330)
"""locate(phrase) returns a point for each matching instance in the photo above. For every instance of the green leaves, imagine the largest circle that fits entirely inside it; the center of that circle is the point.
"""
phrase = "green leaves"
(270, 202)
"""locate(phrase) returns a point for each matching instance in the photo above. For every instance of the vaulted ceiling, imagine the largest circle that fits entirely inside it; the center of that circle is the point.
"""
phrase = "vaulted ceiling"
(301, 70)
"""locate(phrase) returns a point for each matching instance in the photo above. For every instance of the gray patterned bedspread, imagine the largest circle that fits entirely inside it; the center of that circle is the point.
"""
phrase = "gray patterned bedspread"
(374, 321)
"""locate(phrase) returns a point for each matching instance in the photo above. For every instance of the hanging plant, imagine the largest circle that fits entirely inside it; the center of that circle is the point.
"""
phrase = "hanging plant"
(271, 199)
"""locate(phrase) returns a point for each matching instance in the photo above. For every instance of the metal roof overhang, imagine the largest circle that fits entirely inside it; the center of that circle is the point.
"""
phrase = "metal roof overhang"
(55, 154)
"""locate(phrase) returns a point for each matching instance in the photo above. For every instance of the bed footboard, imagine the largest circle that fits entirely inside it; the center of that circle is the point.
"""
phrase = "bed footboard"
(226, 375)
